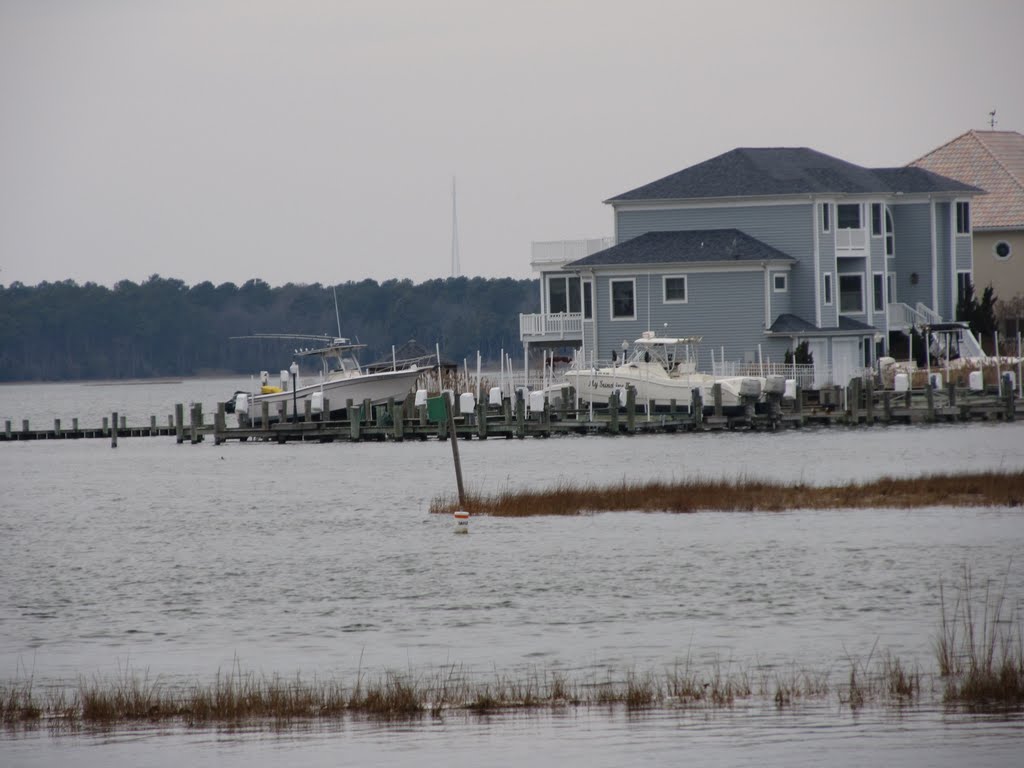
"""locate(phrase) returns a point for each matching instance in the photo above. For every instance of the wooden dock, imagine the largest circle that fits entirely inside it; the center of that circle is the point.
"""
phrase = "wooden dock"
(858, 404)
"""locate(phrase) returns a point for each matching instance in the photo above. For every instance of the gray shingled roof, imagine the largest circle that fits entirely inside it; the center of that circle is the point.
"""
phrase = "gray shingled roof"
(684, 247)
(792, 324)
(749, 172)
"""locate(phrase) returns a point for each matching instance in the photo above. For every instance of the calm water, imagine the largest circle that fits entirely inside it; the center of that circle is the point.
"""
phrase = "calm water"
(321, 559)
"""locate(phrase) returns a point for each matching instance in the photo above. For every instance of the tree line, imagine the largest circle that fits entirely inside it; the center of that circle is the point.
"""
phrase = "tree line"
(165, 328)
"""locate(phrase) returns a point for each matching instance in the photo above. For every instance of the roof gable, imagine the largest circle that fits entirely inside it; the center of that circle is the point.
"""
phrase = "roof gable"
(684, 247)
(754, 172)
(993, 161)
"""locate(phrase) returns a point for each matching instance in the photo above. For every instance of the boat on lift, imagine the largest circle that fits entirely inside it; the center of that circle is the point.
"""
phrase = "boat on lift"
(663, 369)
(336, 378)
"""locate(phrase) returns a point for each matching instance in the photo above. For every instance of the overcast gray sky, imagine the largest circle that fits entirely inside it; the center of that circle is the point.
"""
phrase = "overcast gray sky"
(316, 141)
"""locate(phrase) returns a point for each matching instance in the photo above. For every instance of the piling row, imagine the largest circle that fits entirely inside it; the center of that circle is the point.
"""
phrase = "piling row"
(859, 403)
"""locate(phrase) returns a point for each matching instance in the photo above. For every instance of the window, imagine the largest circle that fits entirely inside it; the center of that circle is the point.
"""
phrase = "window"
(828, 289)
(588, 300)
(890, 235)
(563, 294)
(779, 282)
(963, 279)
(878, 291)
(963, 218)
(826, 217)
(1002, 250)
(876, 219)
(851, 294)
(848, 216)
(890, 287)
(623, 299)
(674, 289)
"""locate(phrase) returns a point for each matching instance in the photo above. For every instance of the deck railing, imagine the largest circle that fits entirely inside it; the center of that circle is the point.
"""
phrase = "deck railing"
(561, 325)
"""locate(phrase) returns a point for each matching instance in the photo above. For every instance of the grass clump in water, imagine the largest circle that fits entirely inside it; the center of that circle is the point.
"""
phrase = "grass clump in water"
(963, 489)
(981, 656)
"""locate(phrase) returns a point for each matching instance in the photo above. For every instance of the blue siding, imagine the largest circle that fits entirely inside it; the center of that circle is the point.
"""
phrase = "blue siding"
(786, 227)
(912, 224)
(725, 308)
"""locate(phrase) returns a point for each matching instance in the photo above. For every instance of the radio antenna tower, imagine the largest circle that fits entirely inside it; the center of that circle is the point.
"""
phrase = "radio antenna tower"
(456, 268)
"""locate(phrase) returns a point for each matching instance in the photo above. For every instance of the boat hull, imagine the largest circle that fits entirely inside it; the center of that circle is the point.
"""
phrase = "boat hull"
(378, 388)
(657, 387)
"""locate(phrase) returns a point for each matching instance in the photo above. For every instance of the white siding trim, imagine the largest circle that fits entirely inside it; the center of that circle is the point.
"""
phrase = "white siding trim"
(935, 259)
(817, 266)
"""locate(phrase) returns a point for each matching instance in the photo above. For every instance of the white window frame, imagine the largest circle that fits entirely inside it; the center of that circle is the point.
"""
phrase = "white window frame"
(611, 297)
(828, 291)
(664, 289)
(863, 304)
(889, 227)
(826, 217)
(785, 282)
(860, 215)
(961, 273)
(962, 229)
(880, 297)
(881, 220)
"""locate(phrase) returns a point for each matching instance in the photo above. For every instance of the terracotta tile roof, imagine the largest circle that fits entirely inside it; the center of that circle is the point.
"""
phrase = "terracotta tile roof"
(992, 160)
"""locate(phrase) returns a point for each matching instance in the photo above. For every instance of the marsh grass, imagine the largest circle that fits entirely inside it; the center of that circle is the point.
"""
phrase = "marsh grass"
(980, 649)
(965, 490)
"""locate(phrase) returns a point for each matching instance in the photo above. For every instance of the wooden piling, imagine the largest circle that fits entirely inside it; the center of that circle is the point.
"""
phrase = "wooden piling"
(56, 427)
(353, 420)
(179, 418)
(630, 409)
(113, 431)
(7, 428)
(74, 425)
(930, 400)
(481, 420)
(152, 426)
(613, 413)
(887, 405)
(716, 392)
(219, 424)
(307, 410)
(520, 415)
(696, 407)
(871, 402)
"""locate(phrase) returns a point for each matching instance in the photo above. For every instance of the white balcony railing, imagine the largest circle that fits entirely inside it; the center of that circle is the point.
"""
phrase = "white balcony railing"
(851, 242)
(551, 327)
(902, 316)
(552, 254)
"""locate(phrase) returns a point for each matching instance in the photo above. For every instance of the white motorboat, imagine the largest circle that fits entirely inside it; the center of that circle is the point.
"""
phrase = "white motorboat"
(662, 370)
(340, 378)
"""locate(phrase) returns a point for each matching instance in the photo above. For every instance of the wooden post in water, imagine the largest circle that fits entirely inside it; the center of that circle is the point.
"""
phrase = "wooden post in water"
(481, 419)
(887, 405)
(930, 398)
(307, 410)
(74, 425)
(397, 419)
(951, 393)
(696, 407)
(106, 425)
(113, 430)
(630, 409)
(265, 415)
(219, 424)
(450, 422)
(56, 427)
(716, 392)
(353, 420)
(1011, 411)
(7, 428)
(871, 401)
(179, 427)
(520, 414)
(152, 426)
(506, 410)
(613, 413)
(124, 422)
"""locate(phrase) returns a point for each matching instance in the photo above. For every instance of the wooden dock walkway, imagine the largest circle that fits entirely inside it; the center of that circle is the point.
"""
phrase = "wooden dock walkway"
(858, 404)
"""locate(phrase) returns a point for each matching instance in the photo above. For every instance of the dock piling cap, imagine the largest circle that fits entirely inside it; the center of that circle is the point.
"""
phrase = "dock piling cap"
(461, 521)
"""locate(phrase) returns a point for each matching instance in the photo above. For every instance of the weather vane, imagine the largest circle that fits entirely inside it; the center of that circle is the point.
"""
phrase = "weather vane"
(992, 119)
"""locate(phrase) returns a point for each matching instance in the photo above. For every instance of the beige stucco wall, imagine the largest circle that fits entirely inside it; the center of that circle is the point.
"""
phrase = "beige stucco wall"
(1006, 277)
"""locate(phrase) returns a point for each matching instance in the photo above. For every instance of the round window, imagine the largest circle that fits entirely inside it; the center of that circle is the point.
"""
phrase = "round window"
(1002, 250)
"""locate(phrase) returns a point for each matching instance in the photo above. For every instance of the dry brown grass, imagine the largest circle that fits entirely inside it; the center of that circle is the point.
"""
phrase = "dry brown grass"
(964, 490)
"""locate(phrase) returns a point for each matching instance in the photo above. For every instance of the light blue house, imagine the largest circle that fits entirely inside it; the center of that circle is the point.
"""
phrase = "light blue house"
(757, 250)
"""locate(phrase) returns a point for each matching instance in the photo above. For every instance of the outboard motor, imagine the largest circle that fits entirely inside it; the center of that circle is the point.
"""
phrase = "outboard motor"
(229, 405)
